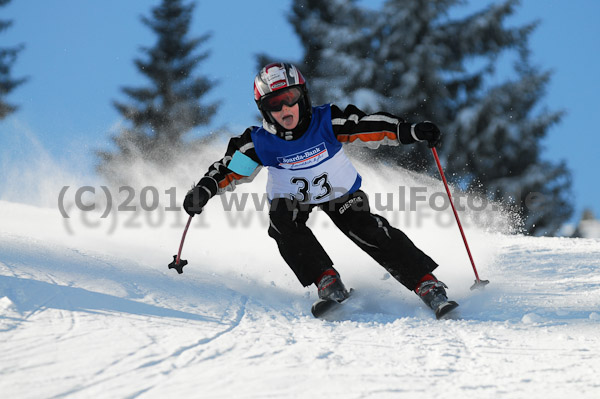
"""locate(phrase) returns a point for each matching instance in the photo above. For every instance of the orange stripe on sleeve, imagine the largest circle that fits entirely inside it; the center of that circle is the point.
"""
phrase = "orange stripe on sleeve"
(373, 136)
(229, 178)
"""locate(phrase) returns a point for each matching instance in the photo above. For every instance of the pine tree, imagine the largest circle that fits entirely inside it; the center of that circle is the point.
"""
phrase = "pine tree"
(333, 35)
(8, 56)
(161, 114)
(413, 59)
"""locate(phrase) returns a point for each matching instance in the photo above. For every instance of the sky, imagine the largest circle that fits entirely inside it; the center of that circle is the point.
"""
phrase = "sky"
(79, 54)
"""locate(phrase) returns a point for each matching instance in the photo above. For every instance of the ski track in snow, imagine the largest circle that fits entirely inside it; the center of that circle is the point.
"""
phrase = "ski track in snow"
(98, 315)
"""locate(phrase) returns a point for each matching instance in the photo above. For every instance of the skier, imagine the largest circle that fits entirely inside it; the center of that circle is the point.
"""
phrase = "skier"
(301, 146)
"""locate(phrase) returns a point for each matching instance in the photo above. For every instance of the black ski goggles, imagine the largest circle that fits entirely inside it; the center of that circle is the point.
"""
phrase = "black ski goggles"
(274, 101)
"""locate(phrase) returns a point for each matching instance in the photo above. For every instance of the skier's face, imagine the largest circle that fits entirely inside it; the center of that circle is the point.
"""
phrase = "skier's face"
(288, 117)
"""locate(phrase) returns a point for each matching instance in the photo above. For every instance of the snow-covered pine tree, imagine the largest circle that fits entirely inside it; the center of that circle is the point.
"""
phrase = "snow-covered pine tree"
(332, 33)
(415, 59)
(492, 140)
(497, 150)
(161, 114)
(8, 56)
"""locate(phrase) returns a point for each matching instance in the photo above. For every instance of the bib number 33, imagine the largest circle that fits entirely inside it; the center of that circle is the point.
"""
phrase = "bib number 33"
(319, 183)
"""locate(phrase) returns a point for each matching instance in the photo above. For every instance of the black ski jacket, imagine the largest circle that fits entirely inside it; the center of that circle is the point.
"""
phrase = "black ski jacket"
(351, 126)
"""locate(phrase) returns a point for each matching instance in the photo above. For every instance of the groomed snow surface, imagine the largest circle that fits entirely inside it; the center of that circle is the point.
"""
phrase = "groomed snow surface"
(88, 308)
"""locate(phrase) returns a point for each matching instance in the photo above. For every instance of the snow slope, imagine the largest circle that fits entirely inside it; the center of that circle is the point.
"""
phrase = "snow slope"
(88, 308)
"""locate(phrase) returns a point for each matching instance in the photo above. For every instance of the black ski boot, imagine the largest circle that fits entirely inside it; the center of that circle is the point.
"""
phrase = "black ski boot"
(331, 292)
(330, 286)
(432, 292)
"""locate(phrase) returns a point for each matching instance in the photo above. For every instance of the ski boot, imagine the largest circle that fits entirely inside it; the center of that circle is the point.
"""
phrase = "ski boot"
(432, 292)
(330, 286)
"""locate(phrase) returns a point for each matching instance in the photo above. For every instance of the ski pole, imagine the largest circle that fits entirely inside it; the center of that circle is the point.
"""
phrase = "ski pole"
(478, 283)
(179, 263)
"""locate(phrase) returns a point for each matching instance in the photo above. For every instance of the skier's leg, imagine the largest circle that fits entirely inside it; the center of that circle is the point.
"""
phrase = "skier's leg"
(389, 246)
(297, 244)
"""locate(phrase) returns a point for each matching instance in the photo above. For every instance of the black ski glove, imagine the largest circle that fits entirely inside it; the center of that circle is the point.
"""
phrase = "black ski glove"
(427, 131)
(195, 200)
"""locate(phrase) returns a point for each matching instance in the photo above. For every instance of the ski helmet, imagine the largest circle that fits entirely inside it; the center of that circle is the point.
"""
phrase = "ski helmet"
(280, 83)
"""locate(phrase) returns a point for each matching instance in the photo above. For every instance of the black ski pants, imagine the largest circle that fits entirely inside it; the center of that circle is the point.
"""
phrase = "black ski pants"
(390, 247)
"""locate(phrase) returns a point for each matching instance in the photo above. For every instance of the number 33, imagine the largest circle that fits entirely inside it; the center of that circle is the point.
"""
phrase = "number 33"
(303, 194)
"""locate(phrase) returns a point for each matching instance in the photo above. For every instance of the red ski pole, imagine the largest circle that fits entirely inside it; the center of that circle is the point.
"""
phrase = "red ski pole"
(478, 283)
(179, 263)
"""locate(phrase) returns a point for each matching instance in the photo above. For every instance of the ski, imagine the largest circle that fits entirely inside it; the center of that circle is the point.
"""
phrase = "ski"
(445, 308)
(323, 307)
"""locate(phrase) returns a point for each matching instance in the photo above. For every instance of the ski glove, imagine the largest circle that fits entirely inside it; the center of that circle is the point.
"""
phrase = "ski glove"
(426, 131)
(195, 200)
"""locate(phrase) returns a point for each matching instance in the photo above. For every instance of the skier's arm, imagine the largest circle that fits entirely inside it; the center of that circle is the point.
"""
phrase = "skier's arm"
(372, 130)
(220, 178)
(239, 165)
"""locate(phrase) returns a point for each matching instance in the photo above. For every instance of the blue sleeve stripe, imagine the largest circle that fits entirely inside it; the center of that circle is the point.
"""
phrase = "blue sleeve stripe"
(242, 164)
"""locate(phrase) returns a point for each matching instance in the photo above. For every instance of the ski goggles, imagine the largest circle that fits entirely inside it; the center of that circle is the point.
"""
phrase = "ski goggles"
(274, 102)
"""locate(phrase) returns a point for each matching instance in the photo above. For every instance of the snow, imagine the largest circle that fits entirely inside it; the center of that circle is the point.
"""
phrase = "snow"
(87, 310)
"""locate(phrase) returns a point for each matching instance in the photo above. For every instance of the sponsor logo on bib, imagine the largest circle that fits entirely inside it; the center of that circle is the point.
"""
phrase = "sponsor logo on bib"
(304, 159)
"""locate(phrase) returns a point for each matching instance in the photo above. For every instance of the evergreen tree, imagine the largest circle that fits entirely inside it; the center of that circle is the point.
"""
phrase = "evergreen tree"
(161, 114)
(333, 34)
(8, 56)
(412, 58)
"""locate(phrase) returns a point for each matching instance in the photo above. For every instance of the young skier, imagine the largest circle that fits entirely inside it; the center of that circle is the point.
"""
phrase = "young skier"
(301, 146)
